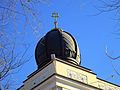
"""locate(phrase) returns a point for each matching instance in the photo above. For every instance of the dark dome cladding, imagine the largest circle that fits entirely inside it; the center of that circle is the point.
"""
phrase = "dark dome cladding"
(60, 43)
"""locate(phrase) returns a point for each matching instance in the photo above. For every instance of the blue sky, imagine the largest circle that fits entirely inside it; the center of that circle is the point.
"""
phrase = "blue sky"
(93, 34)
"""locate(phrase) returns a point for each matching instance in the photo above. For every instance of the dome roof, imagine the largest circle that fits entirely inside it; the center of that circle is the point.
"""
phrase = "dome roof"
(60, 43)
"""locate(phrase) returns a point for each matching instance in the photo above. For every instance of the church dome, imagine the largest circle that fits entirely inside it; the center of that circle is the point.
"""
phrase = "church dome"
(61, 44)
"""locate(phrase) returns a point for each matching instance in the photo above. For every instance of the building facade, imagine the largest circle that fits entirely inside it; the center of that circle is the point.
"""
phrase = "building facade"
(61, 75)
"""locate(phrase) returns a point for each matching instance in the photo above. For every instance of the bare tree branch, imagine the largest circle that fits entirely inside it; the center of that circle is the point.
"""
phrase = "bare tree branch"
(11, 57)
(12, 10)
(113, 58)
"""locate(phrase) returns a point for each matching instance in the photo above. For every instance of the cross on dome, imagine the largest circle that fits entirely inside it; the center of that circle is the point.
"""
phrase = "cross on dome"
(55, 16)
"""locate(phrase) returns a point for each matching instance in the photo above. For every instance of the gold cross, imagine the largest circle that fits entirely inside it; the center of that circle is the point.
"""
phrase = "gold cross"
(55, 16)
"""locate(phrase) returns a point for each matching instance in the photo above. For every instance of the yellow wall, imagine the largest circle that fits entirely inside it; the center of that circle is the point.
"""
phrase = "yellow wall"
(70, 71)
(64, 69)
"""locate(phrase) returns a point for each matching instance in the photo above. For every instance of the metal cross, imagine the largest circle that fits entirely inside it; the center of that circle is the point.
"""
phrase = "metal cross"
(55, 16)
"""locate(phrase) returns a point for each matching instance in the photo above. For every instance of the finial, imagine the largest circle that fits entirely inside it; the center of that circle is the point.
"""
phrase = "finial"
(55, 16)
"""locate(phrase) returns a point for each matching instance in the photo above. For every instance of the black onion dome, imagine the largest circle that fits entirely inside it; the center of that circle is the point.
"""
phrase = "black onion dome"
(60, 43)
